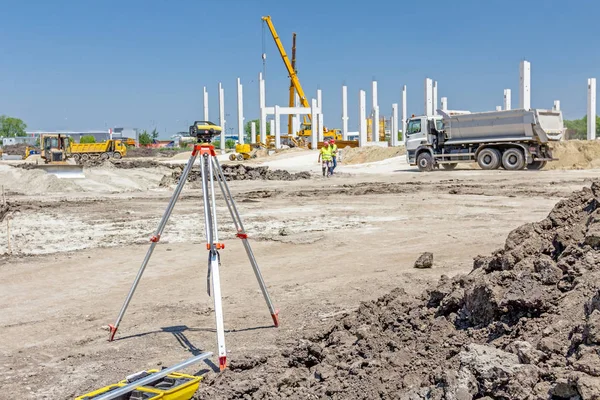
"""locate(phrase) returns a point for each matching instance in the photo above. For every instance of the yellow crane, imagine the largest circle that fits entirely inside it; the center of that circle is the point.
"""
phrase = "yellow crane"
(305, 130)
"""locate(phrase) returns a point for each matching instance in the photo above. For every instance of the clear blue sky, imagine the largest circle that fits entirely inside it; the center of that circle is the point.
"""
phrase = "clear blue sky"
(90, 65)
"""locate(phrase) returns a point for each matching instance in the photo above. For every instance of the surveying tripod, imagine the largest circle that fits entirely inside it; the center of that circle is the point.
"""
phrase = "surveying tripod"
(210, 170)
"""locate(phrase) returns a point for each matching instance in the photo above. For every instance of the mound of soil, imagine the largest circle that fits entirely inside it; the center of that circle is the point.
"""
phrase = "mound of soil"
(575, 154)
(360, 155)
(523, 324)
(15, 149)
(237, 172)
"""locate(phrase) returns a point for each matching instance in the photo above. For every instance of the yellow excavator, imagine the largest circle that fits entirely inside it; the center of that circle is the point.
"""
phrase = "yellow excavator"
(306, 127)
(55, 151)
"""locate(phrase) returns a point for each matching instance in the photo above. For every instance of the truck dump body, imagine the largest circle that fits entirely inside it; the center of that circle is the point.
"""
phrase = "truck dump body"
(504, 126)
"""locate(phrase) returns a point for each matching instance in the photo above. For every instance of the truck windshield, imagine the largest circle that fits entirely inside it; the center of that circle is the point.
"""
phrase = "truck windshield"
(439, 125)
(414, 126)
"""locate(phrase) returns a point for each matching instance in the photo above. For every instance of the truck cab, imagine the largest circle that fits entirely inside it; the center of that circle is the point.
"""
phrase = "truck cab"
(418, 129)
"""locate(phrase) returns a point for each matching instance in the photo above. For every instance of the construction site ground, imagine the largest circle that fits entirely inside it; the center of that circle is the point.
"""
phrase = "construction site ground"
(324, 246)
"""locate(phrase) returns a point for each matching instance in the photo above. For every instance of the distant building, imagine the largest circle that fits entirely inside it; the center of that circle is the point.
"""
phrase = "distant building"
(99, 135)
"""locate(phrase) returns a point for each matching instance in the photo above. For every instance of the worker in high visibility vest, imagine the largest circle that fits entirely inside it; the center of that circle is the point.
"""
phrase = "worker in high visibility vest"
(334, 152)
(325, 159)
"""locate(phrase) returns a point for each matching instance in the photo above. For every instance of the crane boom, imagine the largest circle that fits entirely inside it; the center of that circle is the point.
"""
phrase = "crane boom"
(286, 61)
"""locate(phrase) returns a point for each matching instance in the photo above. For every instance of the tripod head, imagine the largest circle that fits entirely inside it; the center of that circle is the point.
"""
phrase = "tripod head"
(204, 131)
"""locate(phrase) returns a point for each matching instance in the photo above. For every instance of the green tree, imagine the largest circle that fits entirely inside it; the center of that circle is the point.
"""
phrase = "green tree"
(11, 127)
(248, 129)
(87, 139)
(229, 144)
(154, 134)
(577, 128)
(145, 138)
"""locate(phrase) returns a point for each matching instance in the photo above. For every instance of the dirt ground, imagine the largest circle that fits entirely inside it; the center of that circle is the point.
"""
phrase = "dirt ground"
(323, 245)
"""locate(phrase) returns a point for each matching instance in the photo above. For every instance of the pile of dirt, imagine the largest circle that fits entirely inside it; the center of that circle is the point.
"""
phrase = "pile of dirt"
(575, 154)
(237, 172)
(360, 155)
(523, 324)
(141, 152)
(15, 149)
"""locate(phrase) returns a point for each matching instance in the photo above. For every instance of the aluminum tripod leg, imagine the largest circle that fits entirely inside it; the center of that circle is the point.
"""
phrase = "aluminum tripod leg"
(154, 240)
(212, 240)
(241, 233)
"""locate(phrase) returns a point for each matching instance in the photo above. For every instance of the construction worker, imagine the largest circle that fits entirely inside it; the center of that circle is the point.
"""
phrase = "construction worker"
(334, 151)
(325, 158)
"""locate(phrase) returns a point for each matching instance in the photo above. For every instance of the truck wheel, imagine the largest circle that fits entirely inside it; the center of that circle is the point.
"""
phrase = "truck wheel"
(117, 155)
(232, 157)
(489, 158)
(513, 160)
(449, 166)
(537, 165)
(85, 157)
(240, 157)
(425, 162)
(77, 157)
(104, 156)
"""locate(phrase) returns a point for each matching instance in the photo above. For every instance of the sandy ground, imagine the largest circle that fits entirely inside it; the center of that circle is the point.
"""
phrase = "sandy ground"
(324, 245)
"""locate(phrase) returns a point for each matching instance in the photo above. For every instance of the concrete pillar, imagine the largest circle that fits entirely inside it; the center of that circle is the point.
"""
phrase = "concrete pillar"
(404, 113)
(428, 97)
(222, 121)
(498, 108)
(591, 112)
(435, 98)
(277, 128)
(205, 104)
(394, 128)
(375, 113)
(253, 132)
(444, 101)
(271, 128)
(507, 99)
(314, 140)
(556, 106)
(262, 103)
(297, 120)
(345, 112)
(362, 118)
(525, 85)
(240, 111)
(320, 107)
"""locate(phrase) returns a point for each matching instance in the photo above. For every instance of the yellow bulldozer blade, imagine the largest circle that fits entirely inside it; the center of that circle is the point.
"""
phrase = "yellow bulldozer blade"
(63, 171)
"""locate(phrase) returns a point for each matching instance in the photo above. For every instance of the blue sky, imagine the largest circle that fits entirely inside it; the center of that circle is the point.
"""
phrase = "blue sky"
(90, 65)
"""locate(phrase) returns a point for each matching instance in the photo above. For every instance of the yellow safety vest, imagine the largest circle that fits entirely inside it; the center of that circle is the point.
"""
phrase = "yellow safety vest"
(326, 153)
(333, 150)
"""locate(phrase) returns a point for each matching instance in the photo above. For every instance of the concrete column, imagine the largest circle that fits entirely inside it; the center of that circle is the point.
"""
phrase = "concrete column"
(498, 108)
(314, 140)
(320, 106)
(394, 128)
(253, 132)
(205, 104)
(240, 111)
(435, 98)
(277, 128)
(271, 129)
(591, 112)
(404, 113)
(297, 120)
(428, 97)
(345, 112)
(362, 118)
(507, 99)
(262, 103)
(222, 121)
(556, 106)
(375, 124)
(525, 85)
(444, 101)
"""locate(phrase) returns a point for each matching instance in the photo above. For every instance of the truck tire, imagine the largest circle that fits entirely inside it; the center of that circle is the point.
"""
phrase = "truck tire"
(117, 155)
(85, 157)
(240, 157)
(425, 161)
(449, 166)
(489, 158)
(77, 157)
(513, 159)
(232, 157)
(104, 156)
(537, 165)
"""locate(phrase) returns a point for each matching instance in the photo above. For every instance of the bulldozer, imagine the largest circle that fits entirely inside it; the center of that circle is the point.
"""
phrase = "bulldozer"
(55, 151)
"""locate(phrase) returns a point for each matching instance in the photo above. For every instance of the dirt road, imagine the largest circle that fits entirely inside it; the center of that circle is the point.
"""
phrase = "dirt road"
(323, 246)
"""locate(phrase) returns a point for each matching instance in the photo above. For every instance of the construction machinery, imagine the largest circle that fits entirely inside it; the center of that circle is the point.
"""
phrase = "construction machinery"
(103, 151)
(55, 150)
(511, 139)
(306, 127)
(243, 152)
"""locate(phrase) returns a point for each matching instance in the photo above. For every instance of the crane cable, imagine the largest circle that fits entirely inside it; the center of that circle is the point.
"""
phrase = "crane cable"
(264, 54)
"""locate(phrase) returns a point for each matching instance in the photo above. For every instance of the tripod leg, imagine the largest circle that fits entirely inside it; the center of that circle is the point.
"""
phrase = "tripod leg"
(154, 240)
(241, 233)
(214, 262)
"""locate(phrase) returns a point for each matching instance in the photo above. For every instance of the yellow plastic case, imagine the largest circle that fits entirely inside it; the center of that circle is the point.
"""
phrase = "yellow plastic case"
(148, 393)
(182, 391)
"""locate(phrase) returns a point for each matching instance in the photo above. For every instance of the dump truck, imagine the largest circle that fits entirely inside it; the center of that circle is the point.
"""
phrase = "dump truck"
(105, 150)
(512, 139)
